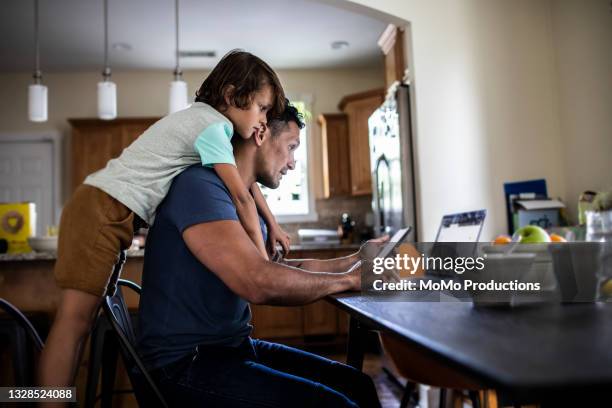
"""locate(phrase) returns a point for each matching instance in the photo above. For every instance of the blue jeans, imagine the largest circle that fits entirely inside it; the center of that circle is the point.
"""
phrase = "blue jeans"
(263, 374)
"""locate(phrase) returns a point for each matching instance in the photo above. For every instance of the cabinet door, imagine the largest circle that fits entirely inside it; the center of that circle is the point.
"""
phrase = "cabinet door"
(277, 321)
(92, 147)
(320, 318)
(335, 144)
(358, 108)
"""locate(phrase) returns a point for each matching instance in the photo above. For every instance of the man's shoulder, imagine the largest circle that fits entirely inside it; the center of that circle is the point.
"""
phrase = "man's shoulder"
(205, 176)
(197, 195)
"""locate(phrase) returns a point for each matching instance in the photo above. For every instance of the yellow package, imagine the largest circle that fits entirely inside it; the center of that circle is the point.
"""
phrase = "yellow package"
(17, 223)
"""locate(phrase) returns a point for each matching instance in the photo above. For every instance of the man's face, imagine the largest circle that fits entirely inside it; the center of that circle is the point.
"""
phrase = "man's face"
(276, 155)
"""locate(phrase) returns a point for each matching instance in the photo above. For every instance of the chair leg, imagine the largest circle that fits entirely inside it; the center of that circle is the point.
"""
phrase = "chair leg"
(475, 398)
(442, 398)
(21, 361)
(407, 397)
(95, 361)
(110, 354)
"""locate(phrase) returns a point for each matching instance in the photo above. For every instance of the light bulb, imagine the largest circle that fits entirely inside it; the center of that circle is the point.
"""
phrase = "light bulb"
(178, 96)
(107, 100)
(37, 103)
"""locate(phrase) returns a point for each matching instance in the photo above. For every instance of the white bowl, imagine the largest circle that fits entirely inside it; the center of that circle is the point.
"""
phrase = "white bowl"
(43, 244)
(542, 270)
(501, 268)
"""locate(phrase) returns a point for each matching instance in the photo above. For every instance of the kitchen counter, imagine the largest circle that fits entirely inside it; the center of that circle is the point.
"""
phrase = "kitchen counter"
(51, 256)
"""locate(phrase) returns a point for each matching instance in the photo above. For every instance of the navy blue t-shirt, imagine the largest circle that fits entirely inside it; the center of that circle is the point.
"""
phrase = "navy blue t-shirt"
(183, 304)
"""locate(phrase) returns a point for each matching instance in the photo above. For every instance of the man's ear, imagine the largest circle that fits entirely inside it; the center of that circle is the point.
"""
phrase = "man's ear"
(227, 94)
(261, 136)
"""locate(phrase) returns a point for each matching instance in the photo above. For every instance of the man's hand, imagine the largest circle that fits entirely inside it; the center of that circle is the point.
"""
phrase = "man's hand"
(372, 247)
(277, 235)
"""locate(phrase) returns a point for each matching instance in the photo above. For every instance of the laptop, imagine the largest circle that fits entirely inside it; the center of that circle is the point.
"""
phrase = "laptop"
(458, 234)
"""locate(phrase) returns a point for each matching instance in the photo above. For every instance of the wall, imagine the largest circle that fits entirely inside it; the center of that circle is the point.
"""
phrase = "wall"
(73, 95)
(488, 102)
(583, 49)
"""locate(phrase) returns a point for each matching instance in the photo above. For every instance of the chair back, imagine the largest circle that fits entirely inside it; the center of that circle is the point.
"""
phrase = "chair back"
(23, 321)
(116, 311)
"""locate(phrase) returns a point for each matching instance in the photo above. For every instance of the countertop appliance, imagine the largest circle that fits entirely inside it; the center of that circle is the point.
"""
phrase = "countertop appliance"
(392, 164)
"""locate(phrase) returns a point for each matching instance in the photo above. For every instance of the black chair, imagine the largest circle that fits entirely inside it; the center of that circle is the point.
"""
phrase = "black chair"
(103, 355)
(22, 335)
(147, 393)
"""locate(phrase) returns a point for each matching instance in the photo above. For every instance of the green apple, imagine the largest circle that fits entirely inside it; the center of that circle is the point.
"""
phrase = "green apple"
(532, 234)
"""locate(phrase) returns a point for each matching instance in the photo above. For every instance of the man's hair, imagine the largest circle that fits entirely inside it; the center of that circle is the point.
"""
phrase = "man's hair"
(280, 122)
(247, 74)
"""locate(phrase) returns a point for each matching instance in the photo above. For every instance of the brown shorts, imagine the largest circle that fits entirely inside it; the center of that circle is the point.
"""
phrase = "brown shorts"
(94, 229)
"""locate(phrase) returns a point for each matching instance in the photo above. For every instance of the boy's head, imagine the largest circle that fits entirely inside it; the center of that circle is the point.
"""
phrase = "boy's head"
(245, 89)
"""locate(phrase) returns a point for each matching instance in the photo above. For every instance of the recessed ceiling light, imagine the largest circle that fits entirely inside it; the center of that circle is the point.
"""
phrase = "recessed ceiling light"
(121, 46)
(339, 45)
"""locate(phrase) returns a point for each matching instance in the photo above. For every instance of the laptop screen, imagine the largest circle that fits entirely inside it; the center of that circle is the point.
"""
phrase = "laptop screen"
(462, 227)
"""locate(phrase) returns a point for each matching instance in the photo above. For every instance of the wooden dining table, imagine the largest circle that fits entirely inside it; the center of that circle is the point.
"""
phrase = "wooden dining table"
(543, 353)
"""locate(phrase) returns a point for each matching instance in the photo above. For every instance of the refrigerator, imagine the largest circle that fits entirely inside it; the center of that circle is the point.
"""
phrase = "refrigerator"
(392, 164)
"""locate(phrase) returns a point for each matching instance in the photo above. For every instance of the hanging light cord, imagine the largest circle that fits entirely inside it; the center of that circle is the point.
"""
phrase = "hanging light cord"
(107, 71)
(177, 68)
(37, 74)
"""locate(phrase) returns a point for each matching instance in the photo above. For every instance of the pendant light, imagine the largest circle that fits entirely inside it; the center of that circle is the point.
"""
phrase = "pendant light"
(37, 93)
(178, 87)
(107, 90)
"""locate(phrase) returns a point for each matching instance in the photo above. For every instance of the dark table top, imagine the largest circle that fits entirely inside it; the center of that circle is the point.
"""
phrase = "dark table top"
(534, 347)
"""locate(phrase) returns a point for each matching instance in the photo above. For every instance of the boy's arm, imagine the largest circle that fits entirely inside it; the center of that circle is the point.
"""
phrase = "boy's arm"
(275, 232)
(214, 148)
(244, 202)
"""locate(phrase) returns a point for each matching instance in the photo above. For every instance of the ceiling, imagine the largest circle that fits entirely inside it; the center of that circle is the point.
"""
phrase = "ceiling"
(285, 33)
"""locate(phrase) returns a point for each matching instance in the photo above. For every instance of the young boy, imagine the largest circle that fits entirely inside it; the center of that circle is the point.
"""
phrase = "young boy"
(99, 221)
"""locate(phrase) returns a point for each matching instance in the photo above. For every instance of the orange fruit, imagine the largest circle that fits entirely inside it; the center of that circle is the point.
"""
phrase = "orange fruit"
(502, 240)
(557, 238)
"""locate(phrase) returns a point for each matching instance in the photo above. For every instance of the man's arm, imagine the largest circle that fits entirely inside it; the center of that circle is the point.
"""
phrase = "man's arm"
(337, 264)
(334, 265)
(227, 251)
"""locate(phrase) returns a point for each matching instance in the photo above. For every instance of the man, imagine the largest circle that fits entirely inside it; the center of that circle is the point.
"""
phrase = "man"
(201, 271)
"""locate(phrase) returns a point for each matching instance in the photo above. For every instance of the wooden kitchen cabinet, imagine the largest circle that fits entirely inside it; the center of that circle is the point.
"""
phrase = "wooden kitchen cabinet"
(391, 43)
(95, 142)
(358, 108)
(335, 147)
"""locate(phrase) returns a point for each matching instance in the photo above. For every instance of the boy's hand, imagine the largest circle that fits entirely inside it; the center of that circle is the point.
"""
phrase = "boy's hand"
(277, 234)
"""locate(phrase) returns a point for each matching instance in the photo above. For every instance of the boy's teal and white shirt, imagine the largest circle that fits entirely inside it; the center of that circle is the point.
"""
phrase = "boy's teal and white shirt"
(141, 176)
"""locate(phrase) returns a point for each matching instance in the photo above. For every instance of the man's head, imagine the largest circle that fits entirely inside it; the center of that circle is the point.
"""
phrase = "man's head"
(274, 150)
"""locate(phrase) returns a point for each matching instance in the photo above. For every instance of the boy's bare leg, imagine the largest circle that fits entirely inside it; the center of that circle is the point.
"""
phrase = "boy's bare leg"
(61, 355)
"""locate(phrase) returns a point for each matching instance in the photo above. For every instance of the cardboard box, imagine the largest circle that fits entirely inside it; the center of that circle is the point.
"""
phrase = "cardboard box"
(17, 223)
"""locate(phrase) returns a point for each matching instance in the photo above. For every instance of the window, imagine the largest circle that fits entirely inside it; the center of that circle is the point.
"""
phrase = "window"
(293, 200)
